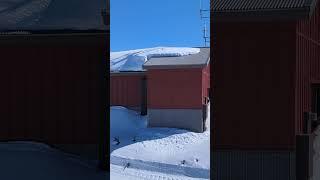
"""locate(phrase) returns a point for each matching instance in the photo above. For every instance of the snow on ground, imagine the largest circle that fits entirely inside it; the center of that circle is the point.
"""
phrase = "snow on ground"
(316, 158)
(36, 161)
(160, 152)
(118, 173)
(133, 60)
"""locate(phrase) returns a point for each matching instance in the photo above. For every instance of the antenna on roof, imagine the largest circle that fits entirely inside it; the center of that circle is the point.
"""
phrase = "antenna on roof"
(205, 36)
(204, 17)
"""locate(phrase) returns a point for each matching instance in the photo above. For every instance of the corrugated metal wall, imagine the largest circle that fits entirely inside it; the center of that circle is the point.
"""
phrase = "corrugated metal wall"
(126, 89)
(307, 64)
(253, 80)
(52, 88)
(253, 165)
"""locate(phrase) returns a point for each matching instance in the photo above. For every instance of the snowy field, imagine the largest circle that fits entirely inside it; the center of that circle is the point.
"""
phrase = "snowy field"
(133, 60)
(138, 152)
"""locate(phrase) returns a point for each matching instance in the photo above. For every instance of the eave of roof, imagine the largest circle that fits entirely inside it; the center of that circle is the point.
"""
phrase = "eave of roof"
(125, 73)
(269, 14)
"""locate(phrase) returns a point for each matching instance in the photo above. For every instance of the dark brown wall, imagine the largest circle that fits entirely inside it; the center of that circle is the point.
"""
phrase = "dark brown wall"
(52, 88)
(253, 81)
(125, 89)
(307, 64)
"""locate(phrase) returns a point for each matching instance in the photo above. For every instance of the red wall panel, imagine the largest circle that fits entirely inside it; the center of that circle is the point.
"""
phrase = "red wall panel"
(205, 82)
(52, 88)
(175, 88)
(253, 80)
(125, 89)
(307, 64)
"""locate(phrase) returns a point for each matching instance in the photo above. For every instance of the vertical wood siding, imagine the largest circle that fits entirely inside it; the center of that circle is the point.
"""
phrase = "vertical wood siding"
(125, 89)
(52, 88)
(307, 64)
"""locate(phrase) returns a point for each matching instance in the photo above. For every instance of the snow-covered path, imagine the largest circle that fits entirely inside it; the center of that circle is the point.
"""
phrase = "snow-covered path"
(119, 173)
(155, 167)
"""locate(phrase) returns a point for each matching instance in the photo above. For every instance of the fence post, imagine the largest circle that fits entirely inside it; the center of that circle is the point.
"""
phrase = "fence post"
(144, 99)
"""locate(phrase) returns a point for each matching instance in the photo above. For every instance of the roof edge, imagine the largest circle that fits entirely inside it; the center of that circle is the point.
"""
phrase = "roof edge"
(124, 73)
(177, 66)
(265, 14)
(191, 66)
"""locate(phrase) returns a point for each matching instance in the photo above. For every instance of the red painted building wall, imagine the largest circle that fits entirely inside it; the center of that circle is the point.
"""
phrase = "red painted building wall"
(205, 82)
(307, 64)
(253, 81)
(125, 89)
(176, 88)
(52, 88)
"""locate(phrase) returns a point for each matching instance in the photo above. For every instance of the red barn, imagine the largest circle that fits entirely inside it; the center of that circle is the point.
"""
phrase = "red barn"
(52, 75)
(174, 90)
(266, 74)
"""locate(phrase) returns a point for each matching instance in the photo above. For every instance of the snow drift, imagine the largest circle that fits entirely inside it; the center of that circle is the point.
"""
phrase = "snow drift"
(133, 60)
(172, 151)
(124, 122)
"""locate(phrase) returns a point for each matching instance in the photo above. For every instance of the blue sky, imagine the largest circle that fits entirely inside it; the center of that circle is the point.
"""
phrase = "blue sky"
(138, 24)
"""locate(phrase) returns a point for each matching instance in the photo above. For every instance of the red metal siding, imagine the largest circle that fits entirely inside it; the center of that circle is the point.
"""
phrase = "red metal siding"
(125, 89)
(307, 64)
(253, 77)
(205, 82)
(51, 88)
(174, 88)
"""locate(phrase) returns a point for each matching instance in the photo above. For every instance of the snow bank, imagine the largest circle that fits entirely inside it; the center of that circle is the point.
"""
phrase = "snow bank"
(125, 122)
(133, 60)
(159, 150)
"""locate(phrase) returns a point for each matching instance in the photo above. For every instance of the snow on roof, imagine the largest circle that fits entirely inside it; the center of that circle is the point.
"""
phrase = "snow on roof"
(133, 60)
(199, 60)
(51, 15)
